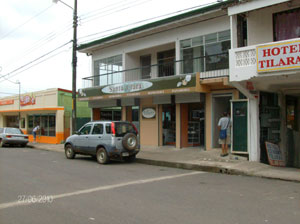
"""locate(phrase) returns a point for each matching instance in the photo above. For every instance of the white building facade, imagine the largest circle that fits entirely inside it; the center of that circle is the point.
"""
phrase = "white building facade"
(265, 67)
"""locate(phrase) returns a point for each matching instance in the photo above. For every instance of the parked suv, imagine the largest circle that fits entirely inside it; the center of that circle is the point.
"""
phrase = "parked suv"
(104, 140)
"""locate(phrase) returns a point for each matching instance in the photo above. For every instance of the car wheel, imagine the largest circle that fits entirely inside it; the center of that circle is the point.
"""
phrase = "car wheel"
(23, 145)
(70, 154)
(102, 156)
(129, 141)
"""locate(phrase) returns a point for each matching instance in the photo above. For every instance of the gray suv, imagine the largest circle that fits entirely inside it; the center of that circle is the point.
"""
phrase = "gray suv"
(104, 140)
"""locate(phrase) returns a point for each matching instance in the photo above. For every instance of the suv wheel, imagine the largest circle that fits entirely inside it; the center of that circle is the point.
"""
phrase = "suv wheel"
(102, 156)
(129, 141)
(70, 154)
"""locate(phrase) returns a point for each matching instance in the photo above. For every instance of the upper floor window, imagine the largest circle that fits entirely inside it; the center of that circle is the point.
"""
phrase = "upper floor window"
(286, 24)
(205, 53)
(107, 71)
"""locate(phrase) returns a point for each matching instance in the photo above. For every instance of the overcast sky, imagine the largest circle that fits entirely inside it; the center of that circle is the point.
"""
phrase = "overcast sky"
(32, 29)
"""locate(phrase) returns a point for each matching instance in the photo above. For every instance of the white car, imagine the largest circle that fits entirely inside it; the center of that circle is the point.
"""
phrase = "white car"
(12, 136)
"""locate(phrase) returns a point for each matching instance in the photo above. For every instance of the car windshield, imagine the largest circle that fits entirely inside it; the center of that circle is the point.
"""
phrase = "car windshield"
(123, 128)
(13, 131)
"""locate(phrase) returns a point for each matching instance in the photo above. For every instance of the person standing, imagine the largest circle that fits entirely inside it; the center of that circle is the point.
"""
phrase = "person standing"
(34, 131)
(224, 128)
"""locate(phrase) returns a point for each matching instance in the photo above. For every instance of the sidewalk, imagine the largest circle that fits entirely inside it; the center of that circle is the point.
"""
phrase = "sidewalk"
(197, 159)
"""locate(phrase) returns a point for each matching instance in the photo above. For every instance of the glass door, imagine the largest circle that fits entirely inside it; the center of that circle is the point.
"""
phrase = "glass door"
(169, 124)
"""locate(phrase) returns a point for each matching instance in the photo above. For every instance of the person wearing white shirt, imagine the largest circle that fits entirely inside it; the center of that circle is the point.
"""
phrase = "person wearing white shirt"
(224, 128)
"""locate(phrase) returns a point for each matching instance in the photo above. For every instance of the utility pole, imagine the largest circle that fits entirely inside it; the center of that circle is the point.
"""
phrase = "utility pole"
(74, 66)
(74, 61)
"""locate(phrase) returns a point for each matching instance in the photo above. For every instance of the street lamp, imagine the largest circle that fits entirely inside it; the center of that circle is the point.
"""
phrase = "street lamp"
(74, 61)
(19, 83)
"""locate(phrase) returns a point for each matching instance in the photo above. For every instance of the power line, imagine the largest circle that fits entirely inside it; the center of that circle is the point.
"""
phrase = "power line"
(141, 21)
(29, 63)
(27, 21)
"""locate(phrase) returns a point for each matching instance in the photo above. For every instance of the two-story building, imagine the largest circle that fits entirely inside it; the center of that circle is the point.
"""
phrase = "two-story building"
(169, 77)
(265, 67)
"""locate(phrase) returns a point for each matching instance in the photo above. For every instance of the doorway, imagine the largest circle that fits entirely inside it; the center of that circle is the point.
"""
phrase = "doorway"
(220, 104)
(145, 61)
(169, 124)
(166, 63)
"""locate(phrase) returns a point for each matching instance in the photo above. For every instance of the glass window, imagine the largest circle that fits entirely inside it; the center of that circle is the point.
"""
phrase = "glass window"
(224, 35)
(197, 41)
(46, 121)
(209, 52)
(1, 130)
(13, 131)
(123, 128)
(211, 38)
(98, 129)
(85, 130)
(108, 128)
(108, 70)
(185, 43)
(287, 24)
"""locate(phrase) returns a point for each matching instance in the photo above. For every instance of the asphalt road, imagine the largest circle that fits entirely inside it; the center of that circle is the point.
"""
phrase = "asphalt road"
(43, 187)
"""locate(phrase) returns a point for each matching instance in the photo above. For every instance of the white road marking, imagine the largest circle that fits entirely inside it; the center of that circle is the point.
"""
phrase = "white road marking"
(101, 188)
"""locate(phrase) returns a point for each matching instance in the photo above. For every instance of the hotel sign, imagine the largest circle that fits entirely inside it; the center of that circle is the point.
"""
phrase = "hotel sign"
(278, 56)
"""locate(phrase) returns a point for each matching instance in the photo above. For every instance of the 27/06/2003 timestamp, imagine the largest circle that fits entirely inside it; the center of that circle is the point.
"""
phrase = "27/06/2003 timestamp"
(35, 198)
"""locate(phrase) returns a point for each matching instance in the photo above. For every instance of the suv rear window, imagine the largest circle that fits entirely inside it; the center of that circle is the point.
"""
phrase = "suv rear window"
(123, 128)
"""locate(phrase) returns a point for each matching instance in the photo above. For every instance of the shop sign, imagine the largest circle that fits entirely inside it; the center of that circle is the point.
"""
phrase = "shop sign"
(27, 100)
(159, 86)
(127, 87)
(6, 102)
(149, 112)
(279, 56)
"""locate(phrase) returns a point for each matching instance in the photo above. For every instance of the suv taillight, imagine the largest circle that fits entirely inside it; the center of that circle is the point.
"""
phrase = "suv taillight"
(8, 136)
(113, 129)
(135, 129)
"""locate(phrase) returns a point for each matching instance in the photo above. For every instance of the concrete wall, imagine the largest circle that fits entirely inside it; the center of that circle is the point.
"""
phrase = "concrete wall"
(155, 41)
(149, 127)
(260, 23)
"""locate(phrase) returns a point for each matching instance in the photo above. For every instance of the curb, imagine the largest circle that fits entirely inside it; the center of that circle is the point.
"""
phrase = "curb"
(211, 169)
(196, 167)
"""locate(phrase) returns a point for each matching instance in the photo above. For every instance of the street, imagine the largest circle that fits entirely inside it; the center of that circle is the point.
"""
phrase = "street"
(39, 186)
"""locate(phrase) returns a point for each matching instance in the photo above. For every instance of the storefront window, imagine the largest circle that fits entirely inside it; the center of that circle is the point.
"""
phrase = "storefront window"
(111, 114)
(205, 53)
(46, 122)
(169, 124)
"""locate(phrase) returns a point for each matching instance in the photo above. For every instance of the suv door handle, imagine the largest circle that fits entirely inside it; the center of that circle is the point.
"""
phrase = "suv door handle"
(99, 137)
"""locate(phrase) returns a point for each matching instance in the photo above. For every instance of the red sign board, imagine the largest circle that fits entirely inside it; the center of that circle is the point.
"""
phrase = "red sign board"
(27, 100)
(6, 102)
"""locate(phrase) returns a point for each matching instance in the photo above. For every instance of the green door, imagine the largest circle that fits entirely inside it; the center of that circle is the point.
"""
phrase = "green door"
(240, 126)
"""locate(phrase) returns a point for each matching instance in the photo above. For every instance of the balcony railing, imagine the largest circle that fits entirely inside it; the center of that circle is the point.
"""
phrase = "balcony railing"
(212, 66)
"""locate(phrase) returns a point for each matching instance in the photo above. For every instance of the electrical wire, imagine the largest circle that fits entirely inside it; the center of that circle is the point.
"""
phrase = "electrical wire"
(27, 21)
(31, 62)
(138, 22)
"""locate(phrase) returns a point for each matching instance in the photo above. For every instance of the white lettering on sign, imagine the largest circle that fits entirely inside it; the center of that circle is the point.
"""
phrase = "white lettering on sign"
(285, 55)
(127, 87)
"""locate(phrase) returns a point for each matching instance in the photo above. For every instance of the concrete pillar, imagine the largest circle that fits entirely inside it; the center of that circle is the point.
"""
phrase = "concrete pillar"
(177, 56)
(123, 114)
(254, 130)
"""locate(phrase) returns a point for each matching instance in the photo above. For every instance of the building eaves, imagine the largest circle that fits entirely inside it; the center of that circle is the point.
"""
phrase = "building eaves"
(89, 46)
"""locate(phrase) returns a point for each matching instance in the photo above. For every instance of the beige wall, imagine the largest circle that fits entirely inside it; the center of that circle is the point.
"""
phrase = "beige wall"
(148, 127)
